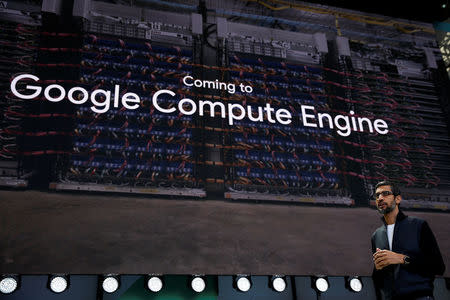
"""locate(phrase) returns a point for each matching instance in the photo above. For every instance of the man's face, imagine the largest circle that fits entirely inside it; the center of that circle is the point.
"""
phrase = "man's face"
(385, 199)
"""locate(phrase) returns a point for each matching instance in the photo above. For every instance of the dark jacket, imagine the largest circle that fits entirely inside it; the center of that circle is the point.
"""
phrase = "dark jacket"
(414, 238)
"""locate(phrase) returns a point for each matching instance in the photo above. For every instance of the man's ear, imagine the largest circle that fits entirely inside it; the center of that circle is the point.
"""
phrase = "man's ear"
(398, 199)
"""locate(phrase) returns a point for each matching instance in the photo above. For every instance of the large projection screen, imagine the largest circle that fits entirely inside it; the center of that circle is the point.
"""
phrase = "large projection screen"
(170, 138)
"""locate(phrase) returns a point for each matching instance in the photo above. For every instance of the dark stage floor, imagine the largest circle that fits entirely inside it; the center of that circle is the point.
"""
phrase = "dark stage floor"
(89, 233)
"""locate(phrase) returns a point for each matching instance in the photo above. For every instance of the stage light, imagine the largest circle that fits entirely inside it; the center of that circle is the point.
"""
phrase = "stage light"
(8, 284)
(58, 284)
(278, 283)
(321, 284)
(110, 284)
(154, 284)
(198, 284)
(243, 283)
(355, 284)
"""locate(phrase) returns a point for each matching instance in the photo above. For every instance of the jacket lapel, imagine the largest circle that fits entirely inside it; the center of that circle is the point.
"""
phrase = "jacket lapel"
(383, 239)
(400, 217)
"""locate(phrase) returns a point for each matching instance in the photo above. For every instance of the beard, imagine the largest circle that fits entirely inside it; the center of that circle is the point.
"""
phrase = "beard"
(388, 208)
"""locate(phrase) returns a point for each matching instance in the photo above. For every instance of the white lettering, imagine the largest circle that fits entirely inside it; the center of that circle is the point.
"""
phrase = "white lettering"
(104, 104)
(185, 82)
(306, 116)
(191, 103)
(78, 101)
(283, 113)
(62, 93)
(212, 107)
(37, 89)
(132, 98)
(344, 130)
(380, 125)
(232, 116)
(155, 101)
(101, 103)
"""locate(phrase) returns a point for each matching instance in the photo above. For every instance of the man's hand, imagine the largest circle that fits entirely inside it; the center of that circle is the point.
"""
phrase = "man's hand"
(384, 258)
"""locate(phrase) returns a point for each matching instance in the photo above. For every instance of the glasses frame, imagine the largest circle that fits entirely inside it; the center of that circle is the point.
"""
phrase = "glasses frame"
(384, 193)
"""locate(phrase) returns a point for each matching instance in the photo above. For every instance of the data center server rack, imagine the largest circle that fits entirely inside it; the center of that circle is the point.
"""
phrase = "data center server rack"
(20, 26)
(135, 151)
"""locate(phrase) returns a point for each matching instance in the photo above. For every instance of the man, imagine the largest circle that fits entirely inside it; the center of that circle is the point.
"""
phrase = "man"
(405, 252)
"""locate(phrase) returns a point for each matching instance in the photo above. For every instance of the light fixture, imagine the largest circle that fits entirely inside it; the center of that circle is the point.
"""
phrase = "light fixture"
(154, 284)
(8, 284)
(355, 284)
(243, 283)
(58, 284)
(198, 284)
(110, 284)
(321, 284)
(278, 283)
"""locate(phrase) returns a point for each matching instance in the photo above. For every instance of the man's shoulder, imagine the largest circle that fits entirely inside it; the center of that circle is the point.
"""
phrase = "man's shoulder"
(407, 219)
(414, 220)
(378, 231)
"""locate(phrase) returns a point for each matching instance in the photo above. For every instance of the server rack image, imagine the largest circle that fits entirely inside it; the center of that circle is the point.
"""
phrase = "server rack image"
(213, 149)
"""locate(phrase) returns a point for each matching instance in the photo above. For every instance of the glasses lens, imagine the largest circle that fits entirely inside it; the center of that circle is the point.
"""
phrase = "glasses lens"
(384, 193)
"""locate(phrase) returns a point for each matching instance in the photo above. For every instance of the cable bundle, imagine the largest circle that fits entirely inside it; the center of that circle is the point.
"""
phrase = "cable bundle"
(413, 153)
(15, 58)
(281, 158)
(138, 147)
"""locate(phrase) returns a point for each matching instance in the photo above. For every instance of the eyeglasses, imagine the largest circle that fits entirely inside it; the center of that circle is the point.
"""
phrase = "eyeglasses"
(383, 193)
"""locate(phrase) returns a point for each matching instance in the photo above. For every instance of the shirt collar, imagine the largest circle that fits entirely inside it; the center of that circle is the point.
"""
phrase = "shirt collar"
(400, 216)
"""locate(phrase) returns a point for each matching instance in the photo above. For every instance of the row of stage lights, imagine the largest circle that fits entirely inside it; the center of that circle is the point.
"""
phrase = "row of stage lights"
(111, 283)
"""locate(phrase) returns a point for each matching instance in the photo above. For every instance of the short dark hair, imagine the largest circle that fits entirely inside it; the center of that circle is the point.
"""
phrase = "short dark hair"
(394, 188)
